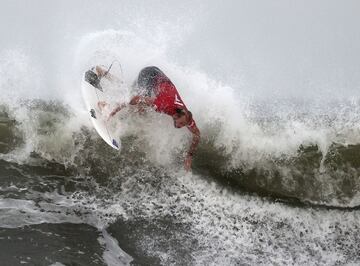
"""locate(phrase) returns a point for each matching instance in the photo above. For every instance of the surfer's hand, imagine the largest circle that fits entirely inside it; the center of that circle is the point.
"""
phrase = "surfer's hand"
(188, 161)
(101, 105)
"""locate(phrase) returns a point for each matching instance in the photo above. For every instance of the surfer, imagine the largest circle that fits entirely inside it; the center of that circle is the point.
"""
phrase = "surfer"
(158, 92)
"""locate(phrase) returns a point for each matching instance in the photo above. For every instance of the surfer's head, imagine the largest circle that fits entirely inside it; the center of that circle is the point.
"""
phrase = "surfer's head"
(182, 118)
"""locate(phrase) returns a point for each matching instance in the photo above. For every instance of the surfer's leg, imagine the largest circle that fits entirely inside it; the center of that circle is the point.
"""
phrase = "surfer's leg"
(147, 79)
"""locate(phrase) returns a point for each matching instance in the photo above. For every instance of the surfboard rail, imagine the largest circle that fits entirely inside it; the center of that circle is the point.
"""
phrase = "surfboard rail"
(93, 93)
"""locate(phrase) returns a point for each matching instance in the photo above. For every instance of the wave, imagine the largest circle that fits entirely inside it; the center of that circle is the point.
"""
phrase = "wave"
(284, 148)
(53, 135)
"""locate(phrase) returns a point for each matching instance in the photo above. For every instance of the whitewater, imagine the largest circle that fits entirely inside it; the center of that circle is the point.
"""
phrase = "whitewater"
(274, 89)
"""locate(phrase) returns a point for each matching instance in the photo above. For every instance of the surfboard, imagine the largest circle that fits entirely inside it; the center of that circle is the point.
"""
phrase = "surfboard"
(94, 93)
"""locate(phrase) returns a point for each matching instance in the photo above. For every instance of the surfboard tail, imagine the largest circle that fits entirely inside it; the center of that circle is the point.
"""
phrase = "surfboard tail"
(92, 78)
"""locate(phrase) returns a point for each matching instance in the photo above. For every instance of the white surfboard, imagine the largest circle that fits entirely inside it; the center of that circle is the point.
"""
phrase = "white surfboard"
(93, 93)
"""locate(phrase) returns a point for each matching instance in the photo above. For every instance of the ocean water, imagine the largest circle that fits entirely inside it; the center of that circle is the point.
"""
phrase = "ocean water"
(274, 89)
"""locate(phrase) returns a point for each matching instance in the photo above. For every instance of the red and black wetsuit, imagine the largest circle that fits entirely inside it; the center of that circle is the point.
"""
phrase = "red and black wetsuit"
(152, 81)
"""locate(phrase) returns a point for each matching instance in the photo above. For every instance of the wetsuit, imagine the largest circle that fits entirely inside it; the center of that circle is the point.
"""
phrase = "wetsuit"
(153, 82)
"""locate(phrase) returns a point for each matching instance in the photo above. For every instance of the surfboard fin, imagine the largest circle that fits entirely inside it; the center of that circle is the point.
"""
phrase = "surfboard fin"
(93, 113)
(114, 142)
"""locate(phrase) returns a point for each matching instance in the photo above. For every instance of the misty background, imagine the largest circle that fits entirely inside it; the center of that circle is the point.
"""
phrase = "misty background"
(281, 49)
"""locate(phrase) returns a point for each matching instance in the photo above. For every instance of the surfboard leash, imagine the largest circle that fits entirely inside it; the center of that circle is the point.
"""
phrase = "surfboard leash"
(107, 71)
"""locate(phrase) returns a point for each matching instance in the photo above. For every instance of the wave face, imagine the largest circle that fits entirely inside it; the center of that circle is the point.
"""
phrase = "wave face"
(275, 178)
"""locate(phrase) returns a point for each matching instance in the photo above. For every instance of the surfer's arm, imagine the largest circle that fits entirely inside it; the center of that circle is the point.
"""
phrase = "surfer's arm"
(195, 139)
(136, 100)
(117, 109)
(142, 100)
(194, 143)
